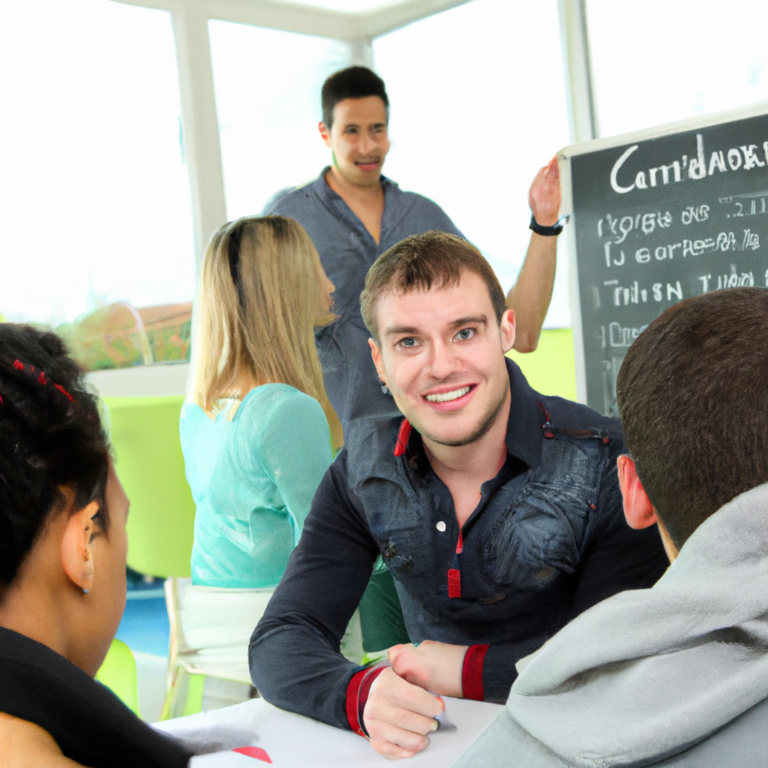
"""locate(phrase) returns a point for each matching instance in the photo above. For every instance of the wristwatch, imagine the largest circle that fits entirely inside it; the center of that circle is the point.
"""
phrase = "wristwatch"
(552, 231)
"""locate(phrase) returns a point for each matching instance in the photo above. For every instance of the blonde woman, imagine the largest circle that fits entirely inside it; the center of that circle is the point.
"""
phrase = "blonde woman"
(255, 435)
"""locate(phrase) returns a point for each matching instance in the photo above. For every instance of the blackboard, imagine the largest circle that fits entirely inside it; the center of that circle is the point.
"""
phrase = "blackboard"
(656, 219)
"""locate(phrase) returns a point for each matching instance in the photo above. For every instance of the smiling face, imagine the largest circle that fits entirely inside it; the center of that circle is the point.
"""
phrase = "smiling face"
(359, 140)
(441, 353)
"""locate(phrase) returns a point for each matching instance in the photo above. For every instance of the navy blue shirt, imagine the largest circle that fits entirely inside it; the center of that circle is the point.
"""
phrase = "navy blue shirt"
(347, 251)
(547, 540)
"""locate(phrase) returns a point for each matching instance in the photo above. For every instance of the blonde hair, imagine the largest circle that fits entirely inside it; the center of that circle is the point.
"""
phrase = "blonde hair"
(259, 301)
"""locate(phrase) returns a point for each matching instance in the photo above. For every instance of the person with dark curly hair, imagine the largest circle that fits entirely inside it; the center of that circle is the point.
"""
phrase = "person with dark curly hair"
(63, 545)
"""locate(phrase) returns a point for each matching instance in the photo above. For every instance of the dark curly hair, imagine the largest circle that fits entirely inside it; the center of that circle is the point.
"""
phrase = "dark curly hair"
(50, 436)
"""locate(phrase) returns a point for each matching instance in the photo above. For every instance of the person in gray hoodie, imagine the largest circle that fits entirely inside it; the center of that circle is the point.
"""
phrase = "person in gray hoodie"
(675, 675)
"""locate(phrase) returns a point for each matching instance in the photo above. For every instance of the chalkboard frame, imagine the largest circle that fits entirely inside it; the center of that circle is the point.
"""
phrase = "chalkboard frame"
(568, 237)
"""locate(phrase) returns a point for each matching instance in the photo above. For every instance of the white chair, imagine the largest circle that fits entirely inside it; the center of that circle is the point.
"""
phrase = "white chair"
(210, 631)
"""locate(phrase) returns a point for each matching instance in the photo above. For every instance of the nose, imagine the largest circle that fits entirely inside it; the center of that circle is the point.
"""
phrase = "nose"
(443, 361)
(368, 143)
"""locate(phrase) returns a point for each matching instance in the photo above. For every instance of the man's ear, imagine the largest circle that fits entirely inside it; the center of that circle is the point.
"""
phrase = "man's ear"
(325, 133)
(508, 330)
(638, 510)
(377, 361)
(76, 550)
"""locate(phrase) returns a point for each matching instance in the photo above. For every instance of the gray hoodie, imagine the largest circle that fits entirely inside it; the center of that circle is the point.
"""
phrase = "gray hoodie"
(675, 675)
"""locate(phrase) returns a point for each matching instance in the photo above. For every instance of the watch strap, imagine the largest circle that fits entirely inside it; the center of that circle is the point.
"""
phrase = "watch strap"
(552, 231)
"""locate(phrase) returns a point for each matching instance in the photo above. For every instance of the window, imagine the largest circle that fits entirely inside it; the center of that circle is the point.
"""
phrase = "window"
(477, 107)
(660, 61)
(268, 102)
(95, 208)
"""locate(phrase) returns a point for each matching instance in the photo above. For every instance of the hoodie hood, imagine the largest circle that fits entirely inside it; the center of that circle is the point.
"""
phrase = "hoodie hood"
(648, 673)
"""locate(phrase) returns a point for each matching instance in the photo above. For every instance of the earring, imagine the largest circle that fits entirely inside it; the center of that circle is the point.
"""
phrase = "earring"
(85, 591)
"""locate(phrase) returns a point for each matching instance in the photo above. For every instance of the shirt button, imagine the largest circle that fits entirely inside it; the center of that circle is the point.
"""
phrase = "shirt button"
(440, 526)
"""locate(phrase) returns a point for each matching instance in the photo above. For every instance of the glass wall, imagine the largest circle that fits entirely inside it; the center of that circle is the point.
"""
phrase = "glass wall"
(95, 209)
(477, 107)
(658, 61)
(268, 103)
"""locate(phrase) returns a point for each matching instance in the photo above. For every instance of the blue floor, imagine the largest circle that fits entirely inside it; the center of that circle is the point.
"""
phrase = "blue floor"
(144, 626)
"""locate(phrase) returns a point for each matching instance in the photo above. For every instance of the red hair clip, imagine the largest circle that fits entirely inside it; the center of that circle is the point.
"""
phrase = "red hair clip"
(41, 379)
(64, 392)
(18, 365)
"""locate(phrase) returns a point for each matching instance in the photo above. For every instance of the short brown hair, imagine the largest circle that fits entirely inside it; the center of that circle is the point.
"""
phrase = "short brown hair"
(350, 83)
(422, 261)
(693, 398)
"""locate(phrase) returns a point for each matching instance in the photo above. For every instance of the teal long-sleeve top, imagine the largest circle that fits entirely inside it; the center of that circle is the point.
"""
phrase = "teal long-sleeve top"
(253, 479)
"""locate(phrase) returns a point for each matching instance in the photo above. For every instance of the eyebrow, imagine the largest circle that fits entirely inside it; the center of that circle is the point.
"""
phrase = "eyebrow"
(358, 125)
(476, 319)
(396, 330)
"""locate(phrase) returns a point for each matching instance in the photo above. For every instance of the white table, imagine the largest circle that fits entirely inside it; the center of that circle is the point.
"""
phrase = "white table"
(293, 741)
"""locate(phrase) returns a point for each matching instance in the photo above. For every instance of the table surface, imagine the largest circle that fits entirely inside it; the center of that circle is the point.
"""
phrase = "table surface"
(294, 741)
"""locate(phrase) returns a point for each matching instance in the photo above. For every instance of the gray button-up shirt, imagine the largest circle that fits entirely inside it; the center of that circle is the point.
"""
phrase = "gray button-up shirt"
(347, 251)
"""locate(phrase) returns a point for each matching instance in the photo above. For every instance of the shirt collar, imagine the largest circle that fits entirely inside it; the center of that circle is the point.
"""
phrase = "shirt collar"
(524, 428)
(526, 418)
(324, 190)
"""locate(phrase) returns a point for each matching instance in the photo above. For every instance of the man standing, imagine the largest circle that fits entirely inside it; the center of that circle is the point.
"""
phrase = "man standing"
(353, 214)
(676, 675)
(496, 508)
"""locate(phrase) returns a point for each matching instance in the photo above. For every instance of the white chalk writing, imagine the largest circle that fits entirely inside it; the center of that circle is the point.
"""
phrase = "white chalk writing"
(744, 157)
(724, 242)
(624, 295)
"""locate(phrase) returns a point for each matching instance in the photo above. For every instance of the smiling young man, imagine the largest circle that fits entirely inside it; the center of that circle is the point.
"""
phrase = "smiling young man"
(496, 508)
(353, 214)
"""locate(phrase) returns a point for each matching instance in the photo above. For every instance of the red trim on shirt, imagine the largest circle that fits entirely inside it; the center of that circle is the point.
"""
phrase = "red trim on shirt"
(357, 695)
(402, 437)
(454, 574)
(353, 691)
(454, 583)
(472, 672)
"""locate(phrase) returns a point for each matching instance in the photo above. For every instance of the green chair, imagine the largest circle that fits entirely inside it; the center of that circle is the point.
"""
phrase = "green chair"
(145, 437)
(118, 673)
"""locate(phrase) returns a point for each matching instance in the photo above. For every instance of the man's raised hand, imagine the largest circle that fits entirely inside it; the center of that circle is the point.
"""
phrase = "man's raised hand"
(544, 194)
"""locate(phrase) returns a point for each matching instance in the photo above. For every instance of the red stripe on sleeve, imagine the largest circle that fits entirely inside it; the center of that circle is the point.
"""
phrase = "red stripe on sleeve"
(357, 695)
(353, 691)
(472, 672)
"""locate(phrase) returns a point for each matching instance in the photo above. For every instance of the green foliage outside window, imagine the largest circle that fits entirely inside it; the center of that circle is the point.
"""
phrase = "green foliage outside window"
(121, 336)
